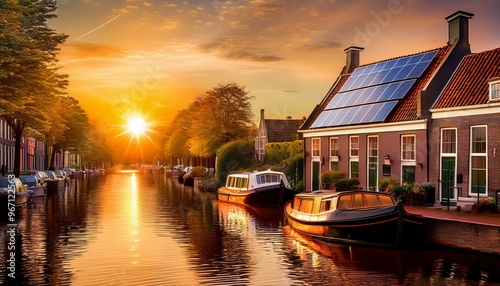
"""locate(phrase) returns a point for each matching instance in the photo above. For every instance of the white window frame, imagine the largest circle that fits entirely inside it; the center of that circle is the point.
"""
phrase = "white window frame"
(318, 141)
(471, 154)
(494, 90)
(334, 152)
(414, 149)
(352, 158)
(368, 156)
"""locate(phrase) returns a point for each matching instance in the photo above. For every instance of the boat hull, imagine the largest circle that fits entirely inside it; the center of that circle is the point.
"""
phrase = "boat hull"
(20, 200)
(264, 197)
(36, 191)
(382, 230)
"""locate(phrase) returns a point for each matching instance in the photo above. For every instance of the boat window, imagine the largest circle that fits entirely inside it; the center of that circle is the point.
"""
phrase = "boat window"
(372, 200)
(244, 183)
(275, 178)
(230, 182)
(386, 200)
(325, 206)
(296, 203)
(344, 202)
(268, 178)
(358, 201)
(306, 206)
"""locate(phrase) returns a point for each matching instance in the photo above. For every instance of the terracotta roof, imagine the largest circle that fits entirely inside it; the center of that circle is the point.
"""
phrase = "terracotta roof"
(469, 83)
(283, 130)
(406, 110)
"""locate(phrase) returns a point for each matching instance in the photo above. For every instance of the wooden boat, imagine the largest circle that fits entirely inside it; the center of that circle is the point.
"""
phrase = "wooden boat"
(258, 188)
(354, 217)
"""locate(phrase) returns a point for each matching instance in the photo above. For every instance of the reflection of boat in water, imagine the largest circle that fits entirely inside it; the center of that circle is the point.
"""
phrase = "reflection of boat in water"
(258, 188)
(355, 217)
(243, 213)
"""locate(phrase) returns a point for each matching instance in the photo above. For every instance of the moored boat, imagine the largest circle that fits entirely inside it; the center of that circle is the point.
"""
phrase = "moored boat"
(259, 188)
(13, 192)
(354, 217)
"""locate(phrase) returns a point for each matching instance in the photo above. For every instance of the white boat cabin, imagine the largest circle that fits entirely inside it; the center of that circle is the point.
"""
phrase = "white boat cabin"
(255, 180)
(327, 201)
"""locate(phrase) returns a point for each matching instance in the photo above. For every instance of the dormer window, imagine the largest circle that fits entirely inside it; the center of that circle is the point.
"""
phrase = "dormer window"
(494, 89)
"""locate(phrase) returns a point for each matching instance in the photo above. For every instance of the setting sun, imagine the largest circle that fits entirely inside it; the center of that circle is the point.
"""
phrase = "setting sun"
(136, 126)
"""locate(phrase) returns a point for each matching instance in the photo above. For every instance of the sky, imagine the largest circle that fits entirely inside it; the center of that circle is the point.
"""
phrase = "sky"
(154, 57)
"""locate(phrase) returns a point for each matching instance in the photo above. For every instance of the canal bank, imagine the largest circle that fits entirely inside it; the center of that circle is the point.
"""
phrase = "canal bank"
(478, 232)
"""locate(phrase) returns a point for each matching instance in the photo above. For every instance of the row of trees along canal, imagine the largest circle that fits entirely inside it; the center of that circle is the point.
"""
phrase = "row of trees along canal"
(33, 100)
(221, 122)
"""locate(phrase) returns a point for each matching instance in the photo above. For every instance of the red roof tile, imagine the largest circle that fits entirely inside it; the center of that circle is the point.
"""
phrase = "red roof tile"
(469, 83)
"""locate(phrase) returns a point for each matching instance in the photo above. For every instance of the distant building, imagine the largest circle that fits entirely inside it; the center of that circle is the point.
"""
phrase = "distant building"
(465, 137)
(374, 123)
(275, 130)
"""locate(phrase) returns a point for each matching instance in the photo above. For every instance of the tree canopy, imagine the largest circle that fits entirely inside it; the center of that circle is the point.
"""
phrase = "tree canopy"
(30, 81)
(220, 115)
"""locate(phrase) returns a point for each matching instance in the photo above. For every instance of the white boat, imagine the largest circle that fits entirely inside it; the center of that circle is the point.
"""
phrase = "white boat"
(259, 188)
(35, 188)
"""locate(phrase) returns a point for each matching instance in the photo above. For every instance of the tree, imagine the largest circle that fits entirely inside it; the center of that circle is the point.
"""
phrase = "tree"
(69, 132)
(29, 78)
(221, 115)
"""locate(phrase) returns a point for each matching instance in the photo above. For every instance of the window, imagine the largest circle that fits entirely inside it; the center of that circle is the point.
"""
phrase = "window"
(354, 157)
(495, 90)
(372, 163)
(334, 147)
(316, 147)
(448, 141)
(334, 153)
(325, 206)
(408, 147)
(478, 160)
(354, 146)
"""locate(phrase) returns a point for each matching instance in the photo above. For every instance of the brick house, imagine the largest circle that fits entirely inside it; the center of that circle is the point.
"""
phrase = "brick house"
(275, 130)
(374, 122)
(465, 135)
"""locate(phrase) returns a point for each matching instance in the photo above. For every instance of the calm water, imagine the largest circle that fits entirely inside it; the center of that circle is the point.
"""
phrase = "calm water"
(133, 229)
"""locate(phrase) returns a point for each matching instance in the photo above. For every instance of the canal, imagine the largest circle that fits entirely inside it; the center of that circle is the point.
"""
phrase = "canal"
(135, 229)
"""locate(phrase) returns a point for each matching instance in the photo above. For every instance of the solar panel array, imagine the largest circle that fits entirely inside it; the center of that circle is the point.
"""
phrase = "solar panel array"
(372, 91)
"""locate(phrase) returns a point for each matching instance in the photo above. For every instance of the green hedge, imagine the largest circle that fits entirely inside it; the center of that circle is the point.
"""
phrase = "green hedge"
(235, 155)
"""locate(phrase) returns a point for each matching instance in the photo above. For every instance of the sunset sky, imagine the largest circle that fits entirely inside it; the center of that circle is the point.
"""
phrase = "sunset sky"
(155, 57)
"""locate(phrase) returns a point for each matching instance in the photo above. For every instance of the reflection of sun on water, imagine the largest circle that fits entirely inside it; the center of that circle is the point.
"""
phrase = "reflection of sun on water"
(134, 211)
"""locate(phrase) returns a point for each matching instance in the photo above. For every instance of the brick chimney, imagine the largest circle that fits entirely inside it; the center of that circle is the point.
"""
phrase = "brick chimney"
(352, 59)
(458, 28)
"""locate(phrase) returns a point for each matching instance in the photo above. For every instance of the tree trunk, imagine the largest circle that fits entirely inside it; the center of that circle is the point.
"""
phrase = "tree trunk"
(18, 132)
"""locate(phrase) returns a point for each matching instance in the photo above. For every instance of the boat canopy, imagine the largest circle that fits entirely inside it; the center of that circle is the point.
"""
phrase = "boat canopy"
(324, 201)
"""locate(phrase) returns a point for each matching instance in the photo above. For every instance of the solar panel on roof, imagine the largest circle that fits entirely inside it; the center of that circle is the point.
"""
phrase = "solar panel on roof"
(372, 91)
(410, 66)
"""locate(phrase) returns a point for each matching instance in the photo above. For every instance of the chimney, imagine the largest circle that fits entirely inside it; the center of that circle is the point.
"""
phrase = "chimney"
(458, 27)
(351, 59)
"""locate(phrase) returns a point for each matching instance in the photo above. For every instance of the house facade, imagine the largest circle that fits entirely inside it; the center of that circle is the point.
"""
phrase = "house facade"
(275, 130)
(465, 138)
(375, 121)
(34, 155)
